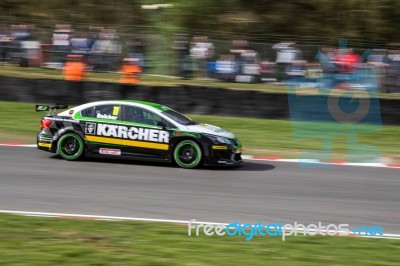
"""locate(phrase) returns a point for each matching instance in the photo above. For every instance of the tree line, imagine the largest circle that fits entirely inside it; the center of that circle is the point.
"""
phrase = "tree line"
(255, 20)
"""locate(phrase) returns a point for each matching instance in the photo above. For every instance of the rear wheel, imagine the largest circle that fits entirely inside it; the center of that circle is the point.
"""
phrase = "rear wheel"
(70, 146)
(187, 154)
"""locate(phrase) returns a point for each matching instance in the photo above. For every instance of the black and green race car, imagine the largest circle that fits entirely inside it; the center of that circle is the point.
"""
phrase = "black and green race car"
(137, 130)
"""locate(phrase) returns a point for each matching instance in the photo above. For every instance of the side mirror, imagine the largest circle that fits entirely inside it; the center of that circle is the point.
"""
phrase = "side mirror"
(162, 124)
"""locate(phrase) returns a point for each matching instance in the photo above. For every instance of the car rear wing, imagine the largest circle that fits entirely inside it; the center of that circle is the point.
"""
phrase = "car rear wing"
(51, 109)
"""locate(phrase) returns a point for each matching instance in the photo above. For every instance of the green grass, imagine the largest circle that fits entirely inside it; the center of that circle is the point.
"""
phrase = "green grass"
(19, 122)
(52, 241)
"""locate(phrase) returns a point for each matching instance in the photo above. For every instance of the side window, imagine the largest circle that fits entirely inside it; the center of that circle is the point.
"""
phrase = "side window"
(109, 111)
(88, 112)
(139, 115)
(134, 114)
(154, 119)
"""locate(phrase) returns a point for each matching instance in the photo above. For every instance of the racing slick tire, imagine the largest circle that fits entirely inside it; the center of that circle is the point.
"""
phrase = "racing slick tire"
(70, 147)
(187, 154)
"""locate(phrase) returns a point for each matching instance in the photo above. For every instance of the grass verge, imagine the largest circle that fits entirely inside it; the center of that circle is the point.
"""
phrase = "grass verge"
(52, 241)
(264, 137)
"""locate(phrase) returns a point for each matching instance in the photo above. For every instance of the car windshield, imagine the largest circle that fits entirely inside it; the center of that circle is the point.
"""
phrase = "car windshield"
(179, 118)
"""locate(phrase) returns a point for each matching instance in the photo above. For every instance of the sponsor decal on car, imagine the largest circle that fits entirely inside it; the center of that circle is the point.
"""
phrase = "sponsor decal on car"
(110, 117)
(90, 128)
(133, 133)
(127, 132)
(62, 119)
(109, 151)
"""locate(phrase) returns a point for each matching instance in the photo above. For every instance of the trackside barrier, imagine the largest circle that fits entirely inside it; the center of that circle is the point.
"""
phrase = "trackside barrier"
(185, 98)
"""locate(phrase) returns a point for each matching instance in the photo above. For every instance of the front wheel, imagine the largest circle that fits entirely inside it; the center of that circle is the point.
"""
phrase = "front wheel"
(187, 154)
(70, 146)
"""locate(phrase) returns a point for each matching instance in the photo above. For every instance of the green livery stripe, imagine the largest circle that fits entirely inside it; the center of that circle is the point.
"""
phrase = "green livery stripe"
(154, 105)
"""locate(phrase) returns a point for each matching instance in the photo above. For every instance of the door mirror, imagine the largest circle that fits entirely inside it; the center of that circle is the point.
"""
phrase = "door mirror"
(162, 124)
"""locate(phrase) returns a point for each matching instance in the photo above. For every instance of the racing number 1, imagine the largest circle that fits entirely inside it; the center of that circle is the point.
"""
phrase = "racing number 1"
(115, 110)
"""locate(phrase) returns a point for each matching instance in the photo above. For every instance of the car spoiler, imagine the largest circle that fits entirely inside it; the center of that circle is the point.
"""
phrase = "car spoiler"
(50, 108)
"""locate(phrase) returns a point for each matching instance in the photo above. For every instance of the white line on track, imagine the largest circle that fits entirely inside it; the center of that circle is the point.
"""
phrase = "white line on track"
(121, 218)
(18, 145)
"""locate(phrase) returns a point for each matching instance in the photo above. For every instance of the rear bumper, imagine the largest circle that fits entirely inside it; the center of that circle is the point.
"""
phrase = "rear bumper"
(45, 142)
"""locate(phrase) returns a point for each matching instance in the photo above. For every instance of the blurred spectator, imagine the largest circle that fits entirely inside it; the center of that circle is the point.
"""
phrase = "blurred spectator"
(105, 51)
(4, 44)
(80, 45)
(238, 47)
(32, 53)
(297, 69)
(392, 80)
(130, 71)
(19, 35)
(241, 65)
(74, 68)
(94, 35)
(139, 51)
(181, 46)
(286, 53)
(61, 42)
(202, 50)
(267, 70)
(74, 72)
(377, 61)
(326, 56)
(347, 61)
(250, 66)
(226, 68)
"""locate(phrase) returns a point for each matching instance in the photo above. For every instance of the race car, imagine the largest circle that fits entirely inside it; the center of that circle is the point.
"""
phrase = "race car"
(138, 130)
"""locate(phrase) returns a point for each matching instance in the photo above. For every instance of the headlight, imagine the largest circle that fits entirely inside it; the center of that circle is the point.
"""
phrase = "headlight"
(223, 140)
(219, 139)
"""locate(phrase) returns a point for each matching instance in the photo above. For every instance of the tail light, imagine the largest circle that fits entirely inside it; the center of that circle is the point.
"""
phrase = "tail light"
(45, 123)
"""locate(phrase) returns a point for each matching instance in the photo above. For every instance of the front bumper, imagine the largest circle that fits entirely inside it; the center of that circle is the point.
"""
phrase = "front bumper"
(224, 156)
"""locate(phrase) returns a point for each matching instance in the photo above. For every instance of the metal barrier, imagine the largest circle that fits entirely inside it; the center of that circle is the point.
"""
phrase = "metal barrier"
(186, 99)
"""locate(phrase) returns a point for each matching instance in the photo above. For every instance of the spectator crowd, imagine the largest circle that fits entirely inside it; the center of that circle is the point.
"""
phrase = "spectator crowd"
(101, 49)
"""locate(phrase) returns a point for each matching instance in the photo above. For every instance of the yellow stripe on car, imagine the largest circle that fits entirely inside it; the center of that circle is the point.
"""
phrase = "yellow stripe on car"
(124, 142)
(44, 144)
(219, 147)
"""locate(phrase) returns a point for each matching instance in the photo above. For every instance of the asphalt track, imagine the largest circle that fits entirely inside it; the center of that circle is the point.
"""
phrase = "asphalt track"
(33, 180)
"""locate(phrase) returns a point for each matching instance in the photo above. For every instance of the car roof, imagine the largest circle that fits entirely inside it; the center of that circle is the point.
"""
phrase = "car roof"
(149, 105)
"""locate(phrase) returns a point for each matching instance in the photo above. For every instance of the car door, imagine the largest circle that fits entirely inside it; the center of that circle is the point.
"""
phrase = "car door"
(101, 128)
(145, 137)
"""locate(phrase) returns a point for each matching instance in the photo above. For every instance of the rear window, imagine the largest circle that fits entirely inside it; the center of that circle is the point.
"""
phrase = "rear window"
(106, 111)
(88, 112)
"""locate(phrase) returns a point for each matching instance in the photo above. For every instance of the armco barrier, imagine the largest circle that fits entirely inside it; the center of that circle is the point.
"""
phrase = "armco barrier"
(185, 98)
